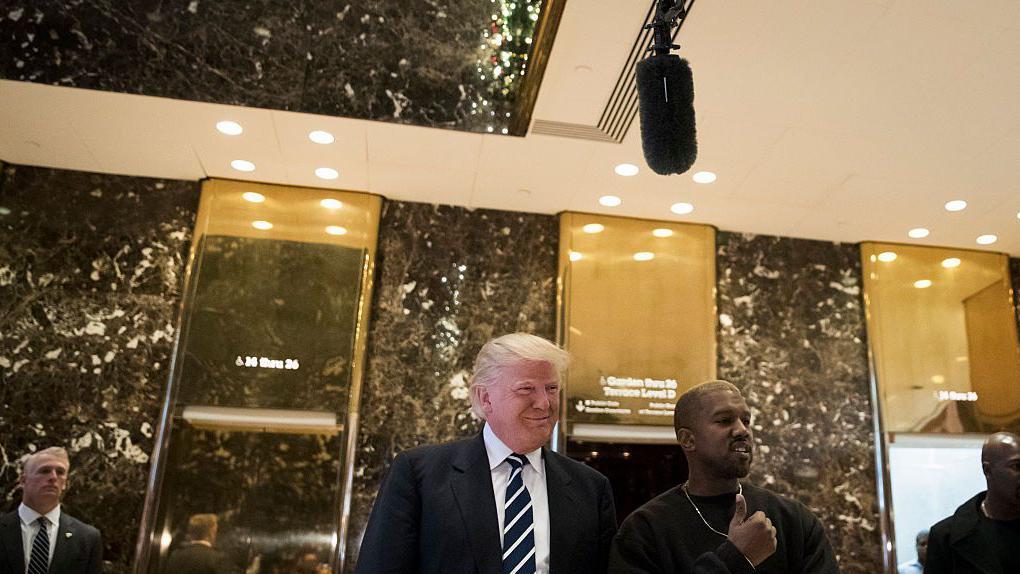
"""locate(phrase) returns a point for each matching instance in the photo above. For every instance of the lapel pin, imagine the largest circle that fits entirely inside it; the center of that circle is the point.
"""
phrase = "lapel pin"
(67, 535)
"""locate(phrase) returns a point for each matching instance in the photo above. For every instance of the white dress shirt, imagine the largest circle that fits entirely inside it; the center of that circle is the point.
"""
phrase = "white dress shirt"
(29, 528)
(534, 479)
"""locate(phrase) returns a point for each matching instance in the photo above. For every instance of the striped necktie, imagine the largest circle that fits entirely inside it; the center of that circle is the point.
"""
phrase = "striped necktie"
(40, 561)
(518, 522)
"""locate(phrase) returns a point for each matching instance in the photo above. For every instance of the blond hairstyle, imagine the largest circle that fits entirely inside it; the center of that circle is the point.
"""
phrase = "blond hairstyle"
(54, 451)
(509, 350)
(201, 526)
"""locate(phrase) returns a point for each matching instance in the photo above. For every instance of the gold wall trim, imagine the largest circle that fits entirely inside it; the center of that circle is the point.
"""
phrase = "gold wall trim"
(636, 309)
(297, 215)
(930, 312)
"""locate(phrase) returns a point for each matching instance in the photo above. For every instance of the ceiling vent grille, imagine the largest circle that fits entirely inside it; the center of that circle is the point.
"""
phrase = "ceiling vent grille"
(621, 109)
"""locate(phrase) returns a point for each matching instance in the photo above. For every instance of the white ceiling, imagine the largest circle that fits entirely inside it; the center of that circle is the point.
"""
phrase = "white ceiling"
(828, 119)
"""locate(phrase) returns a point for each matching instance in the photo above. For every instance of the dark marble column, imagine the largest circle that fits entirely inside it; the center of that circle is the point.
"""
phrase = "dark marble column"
(90, 276)
(792, 336)
(448, 279)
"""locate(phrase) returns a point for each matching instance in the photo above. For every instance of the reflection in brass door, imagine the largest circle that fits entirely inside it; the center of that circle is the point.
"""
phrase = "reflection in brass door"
(943, 339)
(942, 336)
(259, 422)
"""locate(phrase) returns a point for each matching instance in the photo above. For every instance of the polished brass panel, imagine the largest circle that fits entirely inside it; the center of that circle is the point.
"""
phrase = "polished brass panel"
(267, 370)
(637, 313)
(946, 355)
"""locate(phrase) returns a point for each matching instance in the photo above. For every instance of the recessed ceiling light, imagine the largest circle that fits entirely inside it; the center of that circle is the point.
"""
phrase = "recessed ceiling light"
(610, 200)
(326, 173)
(956, 205)
(626, 169)
(987, 239)
(331, 203)
(922, 283)
(242, 165)
(662, 232)
(253, 197)
(704, 177)
(887, 256)
(576, 256)
(336, 230)
(918, 233)
(938, 379)
(644, 256)
(951, 262)
(681, 208)
(593, 228)
(260, 224)
(1018, 215)
(321, 137)
(229, 128)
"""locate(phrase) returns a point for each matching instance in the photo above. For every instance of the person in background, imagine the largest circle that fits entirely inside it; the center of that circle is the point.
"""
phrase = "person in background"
(713, 523)
(499, 502)
(199, 555)
(38, 537)
(917, 566)
(983, 536)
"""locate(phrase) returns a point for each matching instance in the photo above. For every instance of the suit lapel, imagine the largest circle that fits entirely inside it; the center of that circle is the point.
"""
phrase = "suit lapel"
(472, 488)
(10, 541)
(562, 513)
(66, 534)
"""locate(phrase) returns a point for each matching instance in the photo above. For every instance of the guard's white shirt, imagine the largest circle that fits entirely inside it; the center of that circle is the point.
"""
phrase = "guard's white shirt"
(29, 528)
(534, 480)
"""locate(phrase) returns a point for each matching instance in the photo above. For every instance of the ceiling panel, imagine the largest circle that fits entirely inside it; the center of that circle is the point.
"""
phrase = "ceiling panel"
(35, 128)
(348, 154)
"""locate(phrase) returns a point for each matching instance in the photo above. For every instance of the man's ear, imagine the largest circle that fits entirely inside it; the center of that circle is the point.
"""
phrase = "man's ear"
(482, 398)
(685, 437)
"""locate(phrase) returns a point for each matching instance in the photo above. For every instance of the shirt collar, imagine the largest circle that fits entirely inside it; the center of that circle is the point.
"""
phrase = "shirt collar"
(29, 516)
(497, 452)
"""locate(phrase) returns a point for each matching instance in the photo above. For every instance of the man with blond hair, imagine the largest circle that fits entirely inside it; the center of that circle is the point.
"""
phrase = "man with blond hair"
(38, 538)
(501, 501)
(199, 555)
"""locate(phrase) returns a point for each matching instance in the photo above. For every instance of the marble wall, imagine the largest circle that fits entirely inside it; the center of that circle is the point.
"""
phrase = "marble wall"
(90, 278)
(90, 271)
(367, 59)
(447, 280)
(792, 336)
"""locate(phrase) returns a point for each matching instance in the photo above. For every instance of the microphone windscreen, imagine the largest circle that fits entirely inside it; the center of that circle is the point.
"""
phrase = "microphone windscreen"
(666, 101)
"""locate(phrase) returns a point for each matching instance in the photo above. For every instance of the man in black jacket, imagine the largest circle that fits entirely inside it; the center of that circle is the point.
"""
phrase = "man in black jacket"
(199, 554)
(499, 502)
(983, 536)
(713, 523)
(39, 537)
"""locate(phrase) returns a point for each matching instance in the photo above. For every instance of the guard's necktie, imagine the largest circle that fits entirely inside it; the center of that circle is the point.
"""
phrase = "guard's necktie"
(518, 522)
(39, 563)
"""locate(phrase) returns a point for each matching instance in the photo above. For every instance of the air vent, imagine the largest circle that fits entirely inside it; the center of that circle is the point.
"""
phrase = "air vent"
(622, 107)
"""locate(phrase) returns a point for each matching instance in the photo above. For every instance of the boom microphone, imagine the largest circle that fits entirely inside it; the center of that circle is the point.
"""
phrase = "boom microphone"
(665, 88)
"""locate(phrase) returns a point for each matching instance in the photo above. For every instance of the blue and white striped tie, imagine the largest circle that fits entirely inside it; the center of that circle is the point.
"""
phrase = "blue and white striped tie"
(518, 522)
(39, 563)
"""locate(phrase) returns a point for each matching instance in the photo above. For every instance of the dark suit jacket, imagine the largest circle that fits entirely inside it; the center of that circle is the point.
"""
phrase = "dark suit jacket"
(79, 548)
(436, 514)
(954, 546)
(194, 558)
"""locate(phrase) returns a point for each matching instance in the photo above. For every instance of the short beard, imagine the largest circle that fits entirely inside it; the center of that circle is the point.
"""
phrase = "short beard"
(729, 469)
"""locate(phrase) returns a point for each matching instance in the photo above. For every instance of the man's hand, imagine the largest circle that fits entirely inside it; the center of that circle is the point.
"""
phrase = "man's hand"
(754, 537)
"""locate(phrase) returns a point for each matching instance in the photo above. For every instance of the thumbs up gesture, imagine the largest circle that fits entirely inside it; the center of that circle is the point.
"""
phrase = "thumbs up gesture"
(754, 537)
